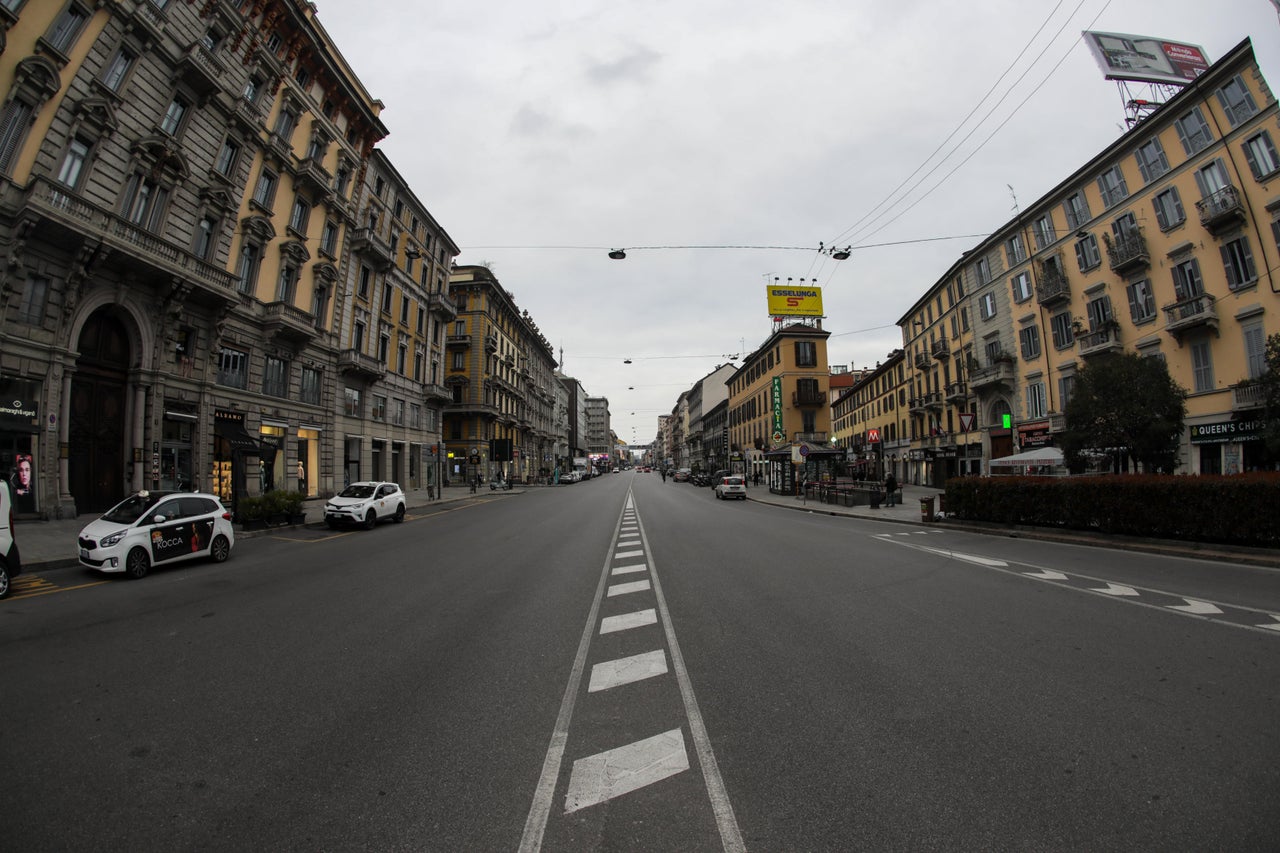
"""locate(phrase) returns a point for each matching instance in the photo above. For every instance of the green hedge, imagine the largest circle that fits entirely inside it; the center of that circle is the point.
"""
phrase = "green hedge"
(1238, 509)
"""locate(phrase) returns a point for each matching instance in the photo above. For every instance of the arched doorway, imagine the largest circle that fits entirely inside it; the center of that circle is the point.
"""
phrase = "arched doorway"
(96, 429)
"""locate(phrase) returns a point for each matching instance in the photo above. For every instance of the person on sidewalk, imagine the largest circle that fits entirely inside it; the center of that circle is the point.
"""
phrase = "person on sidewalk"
(890, 488)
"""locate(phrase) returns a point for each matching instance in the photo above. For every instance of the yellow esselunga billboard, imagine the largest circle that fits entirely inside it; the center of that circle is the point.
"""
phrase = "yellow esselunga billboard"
(788, 300)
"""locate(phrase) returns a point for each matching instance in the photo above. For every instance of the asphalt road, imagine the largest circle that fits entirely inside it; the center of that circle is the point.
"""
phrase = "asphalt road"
(627, 664)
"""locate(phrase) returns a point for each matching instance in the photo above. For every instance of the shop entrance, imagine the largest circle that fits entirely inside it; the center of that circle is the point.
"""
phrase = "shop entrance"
(96, 428)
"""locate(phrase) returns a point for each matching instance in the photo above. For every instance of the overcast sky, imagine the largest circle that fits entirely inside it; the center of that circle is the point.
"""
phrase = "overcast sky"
(542, 134)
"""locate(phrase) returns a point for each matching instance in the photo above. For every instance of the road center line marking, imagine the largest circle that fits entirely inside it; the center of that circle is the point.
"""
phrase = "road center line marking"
(615, 673)
(619, 771)
(624, 588)
(627, 621)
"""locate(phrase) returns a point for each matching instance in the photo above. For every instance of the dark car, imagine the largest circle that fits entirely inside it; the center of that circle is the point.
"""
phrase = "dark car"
(718, 476)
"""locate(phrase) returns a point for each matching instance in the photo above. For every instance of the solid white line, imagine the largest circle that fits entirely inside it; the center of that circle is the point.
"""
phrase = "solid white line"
(624, 588)
(627, 621)
(730, 834)
(615, 673)
(619, 771)
(540, 809)
(626, 570)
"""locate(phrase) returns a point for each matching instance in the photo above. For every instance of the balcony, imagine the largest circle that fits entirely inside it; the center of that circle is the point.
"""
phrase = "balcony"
(355, 363)
(1221, 211)
(1128, 254)
(367, 242)
(201, 70)
(933, 400)
(315, 179)
(288, 323)
(491, 343)
(940, 350)
(1247, 397)
(148, 257)
(457, 341)
(1198, 312)
(922, 361)
(811, 437)
(915, 404)
(440, 303)
(280, 147)
(996, 373)
(1052, 288)
(1100, 341)
(808, 398)
(437, 393)
(248, 114)
(956, 392)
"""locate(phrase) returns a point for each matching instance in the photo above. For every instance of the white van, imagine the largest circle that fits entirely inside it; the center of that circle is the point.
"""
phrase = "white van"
(10, 562)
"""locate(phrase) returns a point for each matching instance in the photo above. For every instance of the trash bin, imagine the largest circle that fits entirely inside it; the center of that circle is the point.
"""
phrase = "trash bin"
(875, 498)
(926, 509)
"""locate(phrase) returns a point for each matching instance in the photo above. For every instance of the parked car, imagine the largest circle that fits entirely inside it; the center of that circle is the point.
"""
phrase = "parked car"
(716, 477)
(365, 504)
(731, 487)
(10, 560)
(157, 528)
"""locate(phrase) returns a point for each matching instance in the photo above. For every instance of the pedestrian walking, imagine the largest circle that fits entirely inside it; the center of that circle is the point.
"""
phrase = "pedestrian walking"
(664, 475)
(755, 480)
(890, 488)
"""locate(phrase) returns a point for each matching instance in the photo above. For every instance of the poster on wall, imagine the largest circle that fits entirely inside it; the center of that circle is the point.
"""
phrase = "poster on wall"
(24, 483)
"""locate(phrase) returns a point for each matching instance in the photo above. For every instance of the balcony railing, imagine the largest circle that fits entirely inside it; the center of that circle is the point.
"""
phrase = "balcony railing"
(440, 303)
(808, 398)
(315, 178)
(1248, 397)
(458, 341)
(357, 363)
(956, 392)
(1221, 210)
(1052, 287)
(439, 393)
(811, 437)
(933, 400)
(995, 373)
(1199, 311)
(71, 212)
(1098, 341)
(288, 322)
(201, 69)
(367, 242)
(940, 349)
(491, 343)
(922, 361)
(1128, 253)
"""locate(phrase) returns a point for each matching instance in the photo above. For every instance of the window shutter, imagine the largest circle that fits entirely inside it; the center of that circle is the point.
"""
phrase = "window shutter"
(13, 126)
(1233, 280)
(1246, 255)
(1255, 347)
(1226, 106)
(1253, 161)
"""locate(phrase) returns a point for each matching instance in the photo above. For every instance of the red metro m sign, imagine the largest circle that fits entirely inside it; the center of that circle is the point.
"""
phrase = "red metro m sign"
(873, 436)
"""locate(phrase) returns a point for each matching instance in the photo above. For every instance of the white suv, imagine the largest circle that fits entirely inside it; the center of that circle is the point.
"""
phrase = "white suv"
(10, 561)
(365, 504)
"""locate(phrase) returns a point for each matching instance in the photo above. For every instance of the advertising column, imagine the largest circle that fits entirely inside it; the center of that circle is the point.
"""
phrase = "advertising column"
(19, 436)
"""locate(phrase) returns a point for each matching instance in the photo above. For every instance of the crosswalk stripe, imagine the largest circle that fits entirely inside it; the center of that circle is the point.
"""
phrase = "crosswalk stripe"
(627, 621)
(618, 555)
(605, 775)
(626, 570)
(615, 673)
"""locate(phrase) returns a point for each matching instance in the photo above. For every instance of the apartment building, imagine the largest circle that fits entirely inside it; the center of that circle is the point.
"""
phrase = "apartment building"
(778, 398)
(1164, 244)
(499, 372)
(599, 444)
(872, 418)
(176, 189)
(394, 309)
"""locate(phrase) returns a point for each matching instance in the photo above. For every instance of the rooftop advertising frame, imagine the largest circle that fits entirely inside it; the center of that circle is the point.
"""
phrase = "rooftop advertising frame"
(1123, 56)
(794, 301)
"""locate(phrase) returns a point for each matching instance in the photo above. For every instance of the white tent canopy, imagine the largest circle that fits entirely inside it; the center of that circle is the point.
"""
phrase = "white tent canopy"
(1038, 456)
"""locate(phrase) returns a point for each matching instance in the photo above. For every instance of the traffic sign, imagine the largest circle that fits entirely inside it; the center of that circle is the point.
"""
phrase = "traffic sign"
(873, 436)
(804, 450)
(966, 421)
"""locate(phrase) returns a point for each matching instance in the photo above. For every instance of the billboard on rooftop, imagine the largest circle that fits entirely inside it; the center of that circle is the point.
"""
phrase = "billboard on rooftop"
(1145, 59)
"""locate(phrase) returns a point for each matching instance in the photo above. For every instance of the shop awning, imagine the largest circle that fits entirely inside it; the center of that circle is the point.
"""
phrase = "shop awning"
(235, 434)
(1038, 456)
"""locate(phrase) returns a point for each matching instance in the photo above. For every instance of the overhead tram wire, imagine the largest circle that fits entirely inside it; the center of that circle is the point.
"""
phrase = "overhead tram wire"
(853, 228)
(990, 136)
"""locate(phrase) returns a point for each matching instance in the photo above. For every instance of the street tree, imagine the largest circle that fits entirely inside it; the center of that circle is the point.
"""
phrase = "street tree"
(1126, 407)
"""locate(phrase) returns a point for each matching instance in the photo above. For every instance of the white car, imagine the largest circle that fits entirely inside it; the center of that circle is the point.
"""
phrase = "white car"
(10, 561)
(156, 528)
(732, 486)
(365, 504)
